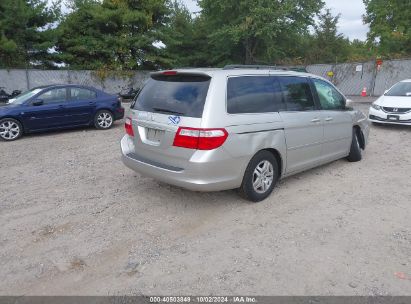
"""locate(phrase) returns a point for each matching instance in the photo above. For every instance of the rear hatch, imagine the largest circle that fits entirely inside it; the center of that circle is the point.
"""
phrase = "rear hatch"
(167, 101)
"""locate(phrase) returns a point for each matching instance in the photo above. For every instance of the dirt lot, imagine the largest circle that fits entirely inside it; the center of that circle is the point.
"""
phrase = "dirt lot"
(74, 220)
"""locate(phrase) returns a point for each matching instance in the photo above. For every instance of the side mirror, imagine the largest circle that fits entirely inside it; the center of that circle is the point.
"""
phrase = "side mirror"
(349, 102)
(37, 102)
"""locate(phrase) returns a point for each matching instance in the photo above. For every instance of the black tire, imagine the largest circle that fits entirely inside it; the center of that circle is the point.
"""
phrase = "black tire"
(103, 120)
(10, 129)
(355, 151)
(247, 190)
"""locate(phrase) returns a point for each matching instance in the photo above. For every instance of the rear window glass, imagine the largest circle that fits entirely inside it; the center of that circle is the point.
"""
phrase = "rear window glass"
(183, 95)
(297, 93)
(254, 94)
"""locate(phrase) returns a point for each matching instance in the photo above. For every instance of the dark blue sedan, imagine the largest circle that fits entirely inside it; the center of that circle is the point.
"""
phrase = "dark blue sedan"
(58, 107)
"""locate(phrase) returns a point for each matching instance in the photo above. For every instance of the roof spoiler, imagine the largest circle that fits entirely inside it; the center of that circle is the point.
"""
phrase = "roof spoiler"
(179, 72)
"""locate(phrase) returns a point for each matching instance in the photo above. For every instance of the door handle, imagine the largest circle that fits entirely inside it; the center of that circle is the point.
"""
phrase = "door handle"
(61, 106)
(315, 120)
(329, 119)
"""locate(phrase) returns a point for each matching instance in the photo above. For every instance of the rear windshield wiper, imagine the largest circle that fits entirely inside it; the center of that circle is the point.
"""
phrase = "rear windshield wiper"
(167, 111)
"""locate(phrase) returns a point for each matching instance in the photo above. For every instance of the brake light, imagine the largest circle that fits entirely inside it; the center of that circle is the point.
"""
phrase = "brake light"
(129, 127)
(200, 139)
(169, 73)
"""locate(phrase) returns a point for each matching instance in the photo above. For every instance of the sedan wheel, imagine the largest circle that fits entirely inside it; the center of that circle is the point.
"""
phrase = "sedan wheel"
(10, 129)
(103, 120)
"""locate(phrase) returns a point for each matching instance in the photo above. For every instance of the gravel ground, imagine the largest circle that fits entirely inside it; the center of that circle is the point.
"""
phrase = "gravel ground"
(74, 221)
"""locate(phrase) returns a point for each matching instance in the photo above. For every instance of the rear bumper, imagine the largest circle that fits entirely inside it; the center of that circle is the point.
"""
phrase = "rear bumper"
(222, 174)
(382, 117)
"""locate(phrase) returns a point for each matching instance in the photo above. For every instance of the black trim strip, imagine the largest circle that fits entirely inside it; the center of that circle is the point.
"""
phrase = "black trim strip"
(373, 117)
(269, 130)
(153, 163)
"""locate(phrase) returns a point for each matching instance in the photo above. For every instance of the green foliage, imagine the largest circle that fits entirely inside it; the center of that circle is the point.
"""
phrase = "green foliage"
(390, 26)
(113, 34)
(251, 31)
(327, 45)
(122, 35)
(26, 32)
(185, 38)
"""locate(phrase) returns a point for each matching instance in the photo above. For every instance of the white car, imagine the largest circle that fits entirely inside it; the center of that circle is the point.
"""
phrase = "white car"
(394, 107)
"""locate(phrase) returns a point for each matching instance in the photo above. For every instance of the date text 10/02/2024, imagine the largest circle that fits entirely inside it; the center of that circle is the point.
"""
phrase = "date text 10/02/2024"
(205, 299)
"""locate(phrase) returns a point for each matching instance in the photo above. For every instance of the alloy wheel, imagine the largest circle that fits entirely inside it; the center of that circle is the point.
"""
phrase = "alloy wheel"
(105, 120)
(263, 176)
(9, 130)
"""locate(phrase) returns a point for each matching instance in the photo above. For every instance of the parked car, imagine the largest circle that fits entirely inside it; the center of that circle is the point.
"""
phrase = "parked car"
(211, 130)
(58, 107)
(394, 107)
(5, 97)
(130, 94)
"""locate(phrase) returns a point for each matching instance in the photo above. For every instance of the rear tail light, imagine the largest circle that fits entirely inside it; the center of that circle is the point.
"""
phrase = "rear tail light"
(129, 127)
(200, 139)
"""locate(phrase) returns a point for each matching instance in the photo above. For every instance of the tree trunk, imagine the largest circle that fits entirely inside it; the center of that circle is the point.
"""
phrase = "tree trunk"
(250, 50)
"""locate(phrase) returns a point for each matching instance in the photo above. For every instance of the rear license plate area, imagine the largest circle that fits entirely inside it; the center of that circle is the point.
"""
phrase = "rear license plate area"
(154, 135)
(393, 117)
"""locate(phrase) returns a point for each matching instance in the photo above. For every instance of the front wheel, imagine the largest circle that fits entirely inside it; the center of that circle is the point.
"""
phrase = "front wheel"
(260, 177)
(10, 129)
(103, 120)
(355, 151)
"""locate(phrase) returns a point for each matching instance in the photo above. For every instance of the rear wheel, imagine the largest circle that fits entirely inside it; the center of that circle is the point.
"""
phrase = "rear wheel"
(355, 151)
(260, 177)
(10, 129)
(103, 120)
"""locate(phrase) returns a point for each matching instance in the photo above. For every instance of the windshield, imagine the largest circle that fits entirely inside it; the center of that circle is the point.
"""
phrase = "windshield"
(400, 89)
(24, 96)
(177, 94)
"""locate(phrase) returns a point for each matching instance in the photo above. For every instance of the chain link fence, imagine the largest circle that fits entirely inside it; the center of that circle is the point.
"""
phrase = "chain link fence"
(26, 79)
(350, 78)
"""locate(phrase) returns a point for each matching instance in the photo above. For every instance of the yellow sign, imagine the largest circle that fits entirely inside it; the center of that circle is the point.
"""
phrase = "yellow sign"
(330, 73)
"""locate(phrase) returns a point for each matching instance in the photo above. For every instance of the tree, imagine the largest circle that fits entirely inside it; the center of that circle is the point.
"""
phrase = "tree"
(361, 51)
(185, 38)
(250, 31)
(113, 34)
(390, 26)
(27, 32)
(327, 45)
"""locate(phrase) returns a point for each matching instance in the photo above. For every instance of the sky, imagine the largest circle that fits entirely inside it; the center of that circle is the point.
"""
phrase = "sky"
(350, 23)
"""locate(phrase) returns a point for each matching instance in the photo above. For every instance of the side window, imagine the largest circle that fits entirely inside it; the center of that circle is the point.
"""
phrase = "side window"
(54, 95)
(253, 94)
(330, 98)
(80, 93)
(297, 94)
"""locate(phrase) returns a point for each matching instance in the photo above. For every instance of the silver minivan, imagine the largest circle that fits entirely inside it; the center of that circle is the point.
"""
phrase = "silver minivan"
(238, 127)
